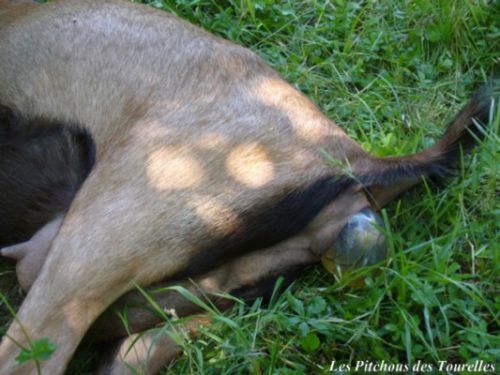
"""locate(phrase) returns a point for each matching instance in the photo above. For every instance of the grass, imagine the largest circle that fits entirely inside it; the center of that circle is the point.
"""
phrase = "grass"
(392, 73)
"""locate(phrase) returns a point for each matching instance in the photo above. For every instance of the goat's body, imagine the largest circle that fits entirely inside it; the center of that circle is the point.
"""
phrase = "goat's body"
(203, 153)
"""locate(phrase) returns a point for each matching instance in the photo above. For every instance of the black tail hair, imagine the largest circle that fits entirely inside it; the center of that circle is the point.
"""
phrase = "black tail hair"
(441, 159)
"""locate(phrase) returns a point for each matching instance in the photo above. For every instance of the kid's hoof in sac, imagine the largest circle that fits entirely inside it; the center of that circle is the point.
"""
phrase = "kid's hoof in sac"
(361, 243)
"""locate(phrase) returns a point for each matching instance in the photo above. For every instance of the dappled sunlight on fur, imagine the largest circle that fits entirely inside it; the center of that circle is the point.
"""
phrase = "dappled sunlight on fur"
(217, 215)
(251, 165)
(306, 121)
(169, 168)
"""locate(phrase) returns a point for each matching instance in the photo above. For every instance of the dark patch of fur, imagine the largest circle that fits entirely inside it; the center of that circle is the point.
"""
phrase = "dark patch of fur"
(42, 165)
(270, 223)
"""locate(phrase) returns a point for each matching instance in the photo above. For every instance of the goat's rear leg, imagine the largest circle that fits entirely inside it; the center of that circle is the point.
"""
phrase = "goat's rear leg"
(104, 245)
(148, 352)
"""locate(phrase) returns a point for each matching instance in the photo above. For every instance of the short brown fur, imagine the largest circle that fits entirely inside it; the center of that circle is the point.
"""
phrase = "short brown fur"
(192, 133)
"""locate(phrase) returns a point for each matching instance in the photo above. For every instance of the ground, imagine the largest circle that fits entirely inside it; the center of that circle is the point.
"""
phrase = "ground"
(391, 73)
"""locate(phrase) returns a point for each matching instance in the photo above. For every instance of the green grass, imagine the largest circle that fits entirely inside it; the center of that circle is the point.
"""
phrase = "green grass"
(392, 73)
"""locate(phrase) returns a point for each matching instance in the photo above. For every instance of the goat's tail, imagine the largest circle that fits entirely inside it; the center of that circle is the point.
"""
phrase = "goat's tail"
(397, 174)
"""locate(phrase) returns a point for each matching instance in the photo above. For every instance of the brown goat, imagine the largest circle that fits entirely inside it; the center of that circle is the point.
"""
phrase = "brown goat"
(208, 164)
